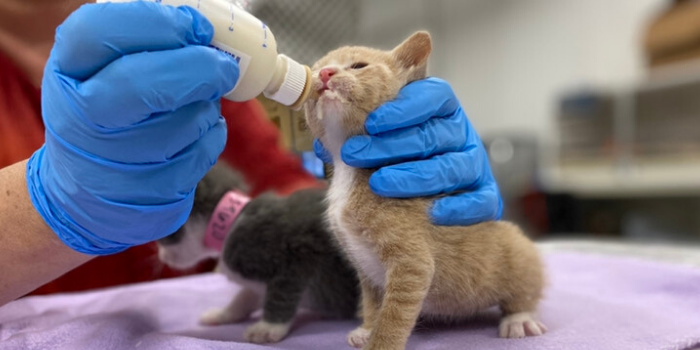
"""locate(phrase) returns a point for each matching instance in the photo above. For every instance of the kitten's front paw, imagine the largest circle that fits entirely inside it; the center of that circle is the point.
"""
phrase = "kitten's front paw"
(220, 316)
(520, 325)
(264, 332)
(359, 337)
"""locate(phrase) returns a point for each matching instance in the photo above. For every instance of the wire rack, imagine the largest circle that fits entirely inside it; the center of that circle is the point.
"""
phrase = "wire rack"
(307, 29)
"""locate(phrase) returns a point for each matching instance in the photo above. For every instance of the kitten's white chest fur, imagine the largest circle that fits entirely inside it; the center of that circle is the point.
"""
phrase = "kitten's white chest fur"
(360, 251)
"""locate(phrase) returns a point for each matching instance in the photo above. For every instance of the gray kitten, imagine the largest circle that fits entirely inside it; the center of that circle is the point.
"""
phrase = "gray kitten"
(279, 250)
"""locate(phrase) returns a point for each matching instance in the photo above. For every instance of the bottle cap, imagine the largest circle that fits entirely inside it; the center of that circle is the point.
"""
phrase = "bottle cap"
(293, 84)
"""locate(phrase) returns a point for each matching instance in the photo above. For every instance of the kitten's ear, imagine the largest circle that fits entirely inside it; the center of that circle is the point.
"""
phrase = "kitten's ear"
(412, 55)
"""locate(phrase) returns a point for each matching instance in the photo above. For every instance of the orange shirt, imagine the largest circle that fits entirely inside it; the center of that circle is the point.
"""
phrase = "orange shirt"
(21, 128)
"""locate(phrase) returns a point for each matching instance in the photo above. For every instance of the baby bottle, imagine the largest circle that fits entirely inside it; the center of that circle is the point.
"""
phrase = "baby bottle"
(251, 43)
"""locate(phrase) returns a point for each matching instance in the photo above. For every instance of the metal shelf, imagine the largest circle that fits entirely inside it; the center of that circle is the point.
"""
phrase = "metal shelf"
(669, 177)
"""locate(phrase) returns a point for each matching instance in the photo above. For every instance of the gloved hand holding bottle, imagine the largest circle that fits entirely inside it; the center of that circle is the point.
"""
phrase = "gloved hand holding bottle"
(130, 101)
(423, 144)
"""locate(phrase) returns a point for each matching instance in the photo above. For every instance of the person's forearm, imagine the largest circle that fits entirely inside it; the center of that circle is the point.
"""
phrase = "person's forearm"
(30, 253)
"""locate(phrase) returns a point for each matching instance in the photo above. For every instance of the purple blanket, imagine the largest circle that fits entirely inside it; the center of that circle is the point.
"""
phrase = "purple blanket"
(592, 302)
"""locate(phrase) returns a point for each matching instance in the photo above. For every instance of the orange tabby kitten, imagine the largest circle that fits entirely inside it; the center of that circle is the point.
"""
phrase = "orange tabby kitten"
(408, 266)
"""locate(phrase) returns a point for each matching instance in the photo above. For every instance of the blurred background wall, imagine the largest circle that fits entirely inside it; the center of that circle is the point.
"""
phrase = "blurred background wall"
(510, 60)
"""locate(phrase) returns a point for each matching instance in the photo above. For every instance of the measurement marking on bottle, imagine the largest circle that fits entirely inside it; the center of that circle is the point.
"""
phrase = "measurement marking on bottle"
(264, 35)
(230, 8)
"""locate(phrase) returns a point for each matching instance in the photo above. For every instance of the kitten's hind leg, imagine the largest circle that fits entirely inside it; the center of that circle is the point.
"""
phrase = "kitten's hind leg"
(242, 305)
(521, 325)
(281, 301)
(519, 318)
(371, 300)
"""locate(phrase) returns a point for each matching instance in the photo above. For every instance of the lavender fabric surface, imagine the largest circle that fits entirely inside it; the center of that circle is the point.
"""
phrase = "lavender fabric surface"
(592, 302)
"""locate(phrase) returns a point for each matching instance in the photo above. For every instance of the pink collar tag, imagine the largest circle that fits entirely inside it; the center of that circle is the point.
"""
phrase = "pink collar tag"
(230, 206)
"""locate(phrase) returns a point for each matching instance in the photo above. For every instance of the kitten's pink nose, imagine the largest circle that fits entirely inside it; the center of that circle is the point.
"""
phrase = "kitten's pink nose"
(326, 73)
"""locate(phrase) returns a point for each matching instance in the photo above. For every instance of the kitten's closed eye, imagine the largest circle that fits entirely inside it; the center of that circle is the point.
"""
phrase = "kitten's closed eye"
(358, 65)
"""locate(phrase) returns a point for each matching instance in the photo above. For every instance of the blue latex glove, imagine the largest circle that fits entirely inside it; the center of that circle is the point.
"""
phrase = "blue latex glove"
(424, 145)
(130, 100)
